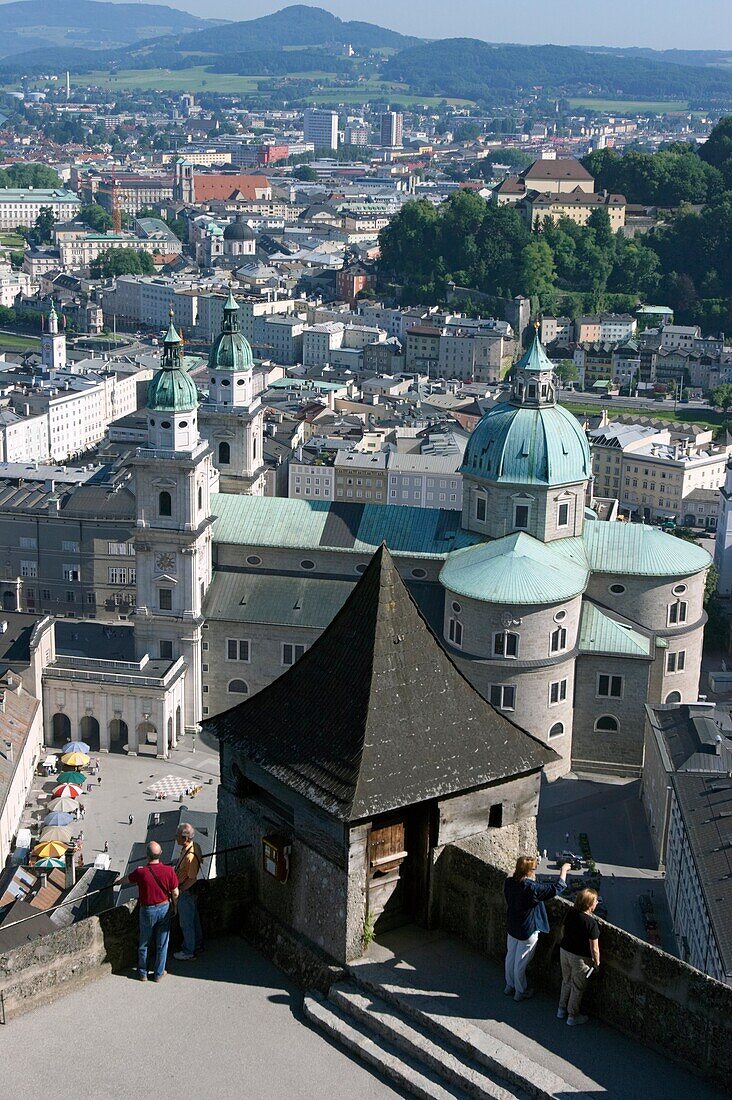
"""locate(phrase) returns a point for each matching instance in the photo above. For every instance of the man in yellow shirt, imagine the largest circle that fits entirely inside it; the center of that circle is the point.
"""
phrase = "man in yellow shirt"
(187, 869)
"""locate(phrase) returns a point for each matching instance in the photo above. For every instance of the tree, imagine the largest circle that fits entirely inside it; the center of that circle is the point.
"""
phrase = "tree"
(29, 175)
(43, 225)
(122, 261)
(566, 370)
(721, 396)
(96, 217)
(537, 272)
(305, 173)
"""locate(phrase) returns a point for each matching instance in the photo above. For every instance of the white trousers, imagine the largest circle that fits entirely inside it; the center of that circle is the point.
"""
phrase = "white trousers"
(519, 954)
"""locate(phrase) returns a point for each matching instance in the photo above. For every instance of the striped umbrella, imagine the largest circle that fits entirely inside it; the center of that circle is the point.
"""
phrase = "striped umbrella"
(67, 790)
(48, 863)
(57, 817)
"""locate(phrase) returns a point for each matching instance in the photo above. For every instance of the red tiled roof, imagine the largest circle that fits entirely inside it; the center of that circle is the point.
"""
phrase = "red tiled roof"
(219, 186)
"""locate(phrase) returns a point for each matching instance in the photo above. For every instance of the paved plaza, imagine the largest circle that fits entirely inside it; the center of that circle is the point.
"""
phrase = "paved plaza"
(123, 792)
(610, 812)
(229, 1025)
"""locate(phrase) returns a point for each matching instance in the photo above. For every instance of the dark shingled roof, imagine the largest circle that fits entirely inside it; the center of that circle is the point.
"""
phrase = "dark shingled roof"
(375, 715)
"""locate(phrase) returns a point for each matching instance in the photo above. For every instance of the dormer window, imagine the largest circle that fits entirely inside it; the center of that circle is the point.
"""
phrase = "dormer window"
(532, 391)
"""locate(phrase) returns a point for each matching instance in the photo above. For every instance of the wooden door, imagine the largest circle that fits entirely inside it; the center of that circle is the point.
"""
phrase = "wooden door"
(388, 900)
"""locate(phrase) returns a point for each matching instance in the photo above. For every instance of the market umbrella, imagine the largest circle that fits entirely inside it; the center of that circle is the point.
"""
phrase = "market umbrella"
(53, 848)
(76, 746)
(57, 832)
(72, 777)
(70, 790)
(75, 759)
(66, 804)
(49, 862)
(57, 817)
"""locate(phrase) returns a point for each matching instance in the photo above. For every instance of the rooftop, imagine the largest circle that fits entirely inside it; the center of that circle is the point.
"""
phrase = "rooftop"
(517, 569)
(704, 802)
(355, 528)
(603, 633)
(338, 739)
(635, 550)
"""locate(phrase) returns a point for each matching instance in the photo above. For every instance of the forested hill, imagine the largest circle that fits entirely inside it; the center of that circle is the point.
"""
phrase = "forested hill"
(297, 25)
(39, 24)
(471, 69)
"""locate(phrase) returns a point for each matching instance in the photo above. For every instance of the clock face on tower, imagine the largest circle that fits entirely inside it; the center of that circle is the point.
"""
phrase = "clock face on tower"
(166, 562)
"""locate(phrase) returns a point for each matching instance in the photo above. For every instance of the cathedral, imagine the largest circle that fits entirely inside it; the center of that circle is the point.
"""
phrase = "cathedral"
(565, 623)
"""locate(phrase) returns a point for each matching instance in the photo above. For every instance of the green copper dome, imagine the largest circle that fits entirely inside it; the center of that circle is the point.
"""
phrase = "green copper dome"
(230, 350)
(171, 389)
(528, 446)
(529, 440)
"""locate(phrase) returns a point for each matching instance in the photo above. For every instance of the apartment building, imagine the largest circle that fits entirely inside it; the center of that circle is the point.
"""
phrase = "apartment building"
(361, 477)
(425, 481)
(654, 473)
(318, 341)
(321, 128)
(280, 338)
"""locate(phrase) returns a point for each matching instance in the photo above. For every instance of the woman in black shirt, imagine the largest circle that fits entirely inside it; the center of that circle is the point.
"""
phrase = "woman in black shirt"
(580, 954)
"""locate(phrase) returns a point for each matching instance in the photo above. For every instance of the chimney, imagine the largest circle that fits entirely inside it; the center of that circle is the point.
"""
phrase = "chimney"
(44, 880)
(718, 745)
(2, 702)
(70, 858)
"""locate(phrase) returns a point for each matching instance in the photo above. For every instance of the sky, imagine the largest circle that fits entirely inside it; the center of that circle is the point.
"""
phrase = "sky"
(660, 24)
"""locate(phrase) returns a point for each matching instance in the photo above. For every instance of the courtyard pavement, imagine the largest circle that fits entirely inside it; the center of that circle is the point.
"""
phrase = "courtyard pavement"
(228, 1025)
(611, 813)
(122, 792)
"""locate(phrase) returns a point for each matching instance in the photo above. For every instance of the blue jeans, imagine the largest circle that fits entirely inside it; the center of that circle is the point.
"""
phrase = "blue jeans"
(154, 921)
(190, 922)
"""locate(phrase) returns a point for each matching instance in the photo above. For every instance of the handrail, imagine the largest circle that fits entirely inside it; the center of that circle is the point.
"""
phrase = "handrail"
(115, 885)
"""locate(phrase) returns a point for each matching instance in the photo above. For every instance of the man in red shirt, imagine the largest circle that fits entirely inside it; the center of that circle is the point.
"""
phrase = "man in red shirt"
(158, 890)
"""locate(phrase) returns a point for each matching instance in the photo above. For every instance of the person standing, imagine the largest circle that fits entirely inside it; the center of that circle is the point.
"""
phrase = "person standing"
(187, 870)
(579, 955)
(157, 886)
(526, 918)
(130, 819)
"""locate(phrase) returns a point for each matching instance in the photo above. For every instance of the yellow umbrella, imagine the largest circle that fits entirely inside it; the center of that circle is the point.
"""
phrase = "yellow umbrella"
(75, 759)
(56, 832)
(53, 849)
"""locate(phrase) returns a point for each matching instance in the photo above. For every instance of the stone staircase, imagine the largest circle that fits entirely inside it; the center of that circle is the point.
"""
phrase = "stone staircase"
(425, 1056)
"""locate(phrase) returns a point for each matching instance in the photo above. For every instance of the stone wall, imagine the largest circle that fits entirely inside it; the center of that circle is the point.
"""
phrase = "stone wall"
(38, 971)
(655, 998)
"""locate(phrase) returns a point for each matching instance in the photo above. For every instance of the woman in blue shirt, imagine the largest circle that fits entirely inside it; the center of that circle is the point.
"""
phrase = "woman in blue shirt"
(525, 919)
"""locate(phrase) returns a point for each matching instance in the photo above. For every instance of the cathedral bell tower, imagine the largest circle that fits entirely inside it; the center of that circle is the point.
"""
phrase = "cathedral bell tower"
(173, 474)
(231, 416)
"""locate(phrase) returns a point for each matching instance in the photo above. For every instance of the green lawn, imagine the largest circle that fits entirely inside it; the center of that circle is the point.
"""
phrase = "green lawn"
(634, 106)
(170, 80)
(11, 240)
(681, 415)
(13, 341)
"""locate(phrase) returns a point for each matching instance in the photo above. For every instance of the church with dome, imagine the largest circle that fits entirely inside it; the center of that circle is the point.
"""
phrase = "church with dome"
(566, 623)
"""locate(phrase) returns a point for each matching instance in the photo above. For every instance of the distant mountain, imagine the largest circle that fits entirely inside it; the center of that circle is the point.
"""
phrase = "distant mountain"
(297, 25)
(472, 69)
(695, 58)
(37, 24)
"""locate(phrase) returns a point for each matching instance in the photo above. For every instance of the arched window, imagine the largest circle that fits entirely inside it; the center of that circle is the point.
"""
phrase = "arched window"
(254, 447)
(673, 697)
(200, 497)
(607, 724)
(224, 454)
(557, 729)
(165, 504)
(237, 687)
